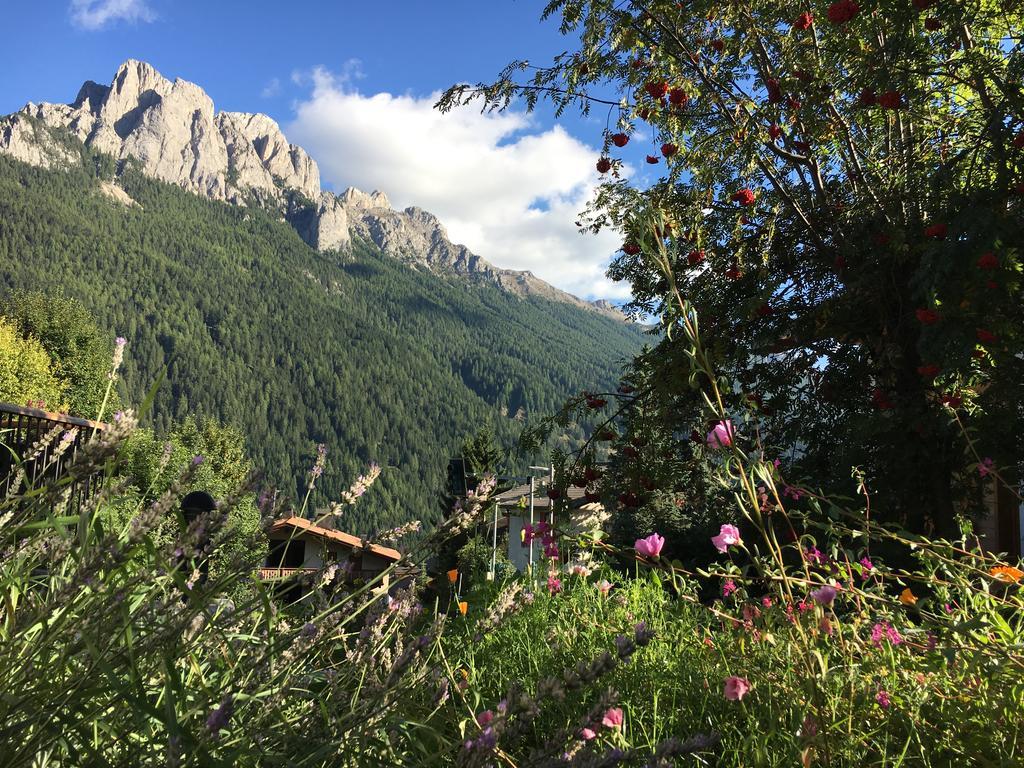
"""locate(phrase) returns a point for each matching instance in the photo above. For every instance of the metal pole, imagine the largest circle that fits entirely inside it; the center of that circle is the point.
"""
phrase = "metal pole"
(531, 523)
(551, 502)
(494, 543)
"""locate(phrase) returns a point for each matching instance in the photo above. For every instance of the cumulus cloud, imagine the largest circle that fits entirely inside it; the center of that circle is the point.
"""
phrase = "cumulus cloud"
(96, 14)
(502, 185)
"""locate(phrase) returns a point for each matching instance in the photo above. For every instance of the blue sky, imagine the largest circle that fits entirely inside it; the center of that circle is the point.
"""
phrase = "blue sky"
(353, 83)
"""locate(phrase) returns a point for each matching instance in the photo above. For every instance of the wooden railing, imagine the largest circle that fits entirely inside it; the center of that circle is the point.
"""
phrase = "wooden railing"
(52, 440)
(272, 574)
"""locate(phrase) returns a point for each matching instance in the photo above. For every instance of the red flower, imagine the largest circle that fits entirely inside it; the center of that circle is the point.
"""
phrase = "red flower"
(764, 310)
(932, 24)
(604, 165)
(774, 90)
(929, 371)
(695, 258)
(803, 21)
(643, 114)
(627, 389)
(774, 131)
(803, 146)
(890, 100)
(606, 434)
(630, 452)
(743, 197)
(632, 249)
(936, 231)
(792, 103)
(554, 493)
(596, 403)
(718, 45)
(592, 497)
(985, 337)
(656, 90)
(733, 272)
(991, 285)
(669, 149)
(988, 260)
(678, 96)
(1018, 140)
(652, 160)
(867, 98)
(620, 139)
(927, 316)
(842, 11)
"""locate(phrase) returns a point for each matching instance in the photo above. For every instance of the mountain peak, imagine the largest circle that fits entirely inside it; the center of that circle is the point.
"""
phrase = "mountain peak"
(173, 131)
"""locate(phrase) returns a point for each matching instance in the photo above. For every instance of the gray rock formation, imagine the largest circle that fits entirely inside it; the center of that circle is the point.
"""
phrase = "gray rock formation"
(172, 130)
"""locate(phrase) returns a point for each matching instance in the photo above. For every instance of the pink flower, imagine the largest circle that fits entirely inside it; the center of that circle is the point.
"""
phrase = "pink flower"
(884, 629)
(766, 601)
(727, 536)
(728, 587)
(651, 546)
(722, 434)
(554, 585)
(604, 586)
(985, 467)
(485, 717)
(824, 595)
(612, 718)
(587, 734)
(736, 688)
(882, 697)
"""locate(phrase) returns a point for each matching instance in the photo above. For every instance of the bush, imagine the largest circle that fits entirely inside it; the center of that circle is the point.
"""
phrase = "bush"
(26, 371)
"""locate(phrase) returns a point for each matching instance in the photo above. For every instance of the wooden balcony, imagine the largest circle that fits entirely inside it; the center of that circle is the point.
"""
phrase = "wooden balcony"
(32, 432)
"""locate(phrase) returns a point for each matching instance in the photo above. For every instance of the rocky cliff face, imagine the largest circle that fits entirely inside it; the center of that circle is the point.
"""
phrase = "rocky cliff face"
(172, 130)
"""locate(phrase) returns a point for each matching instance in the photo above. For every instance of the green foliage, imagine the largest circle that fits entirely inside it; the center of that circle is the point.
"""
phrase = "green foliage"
(865, 681)
(112, 656)
(151, 464)
(293, 347)
(827, 183)
(482, 453)
(26, 371)
(81, 353)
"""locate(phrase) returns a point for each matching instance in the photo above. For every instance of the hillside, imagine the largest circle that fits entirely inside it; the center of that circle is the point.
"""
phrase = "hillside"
(379, 359)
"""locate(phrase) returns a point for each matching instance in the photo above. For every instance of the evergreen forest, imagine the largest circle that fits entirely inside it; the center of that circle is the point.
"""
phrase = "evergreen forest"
(378, 360)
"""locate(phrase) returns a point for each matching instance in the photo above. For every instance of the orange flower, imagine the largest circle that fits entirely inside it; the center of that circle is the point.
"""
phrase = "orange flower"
(1007, 573)
(907, 597)
(463, 607)
(453, 575)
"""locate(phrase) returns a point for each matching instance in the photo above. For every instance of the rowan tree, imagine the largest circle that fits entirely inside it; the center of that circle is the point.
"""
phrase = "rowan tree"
(840, 201)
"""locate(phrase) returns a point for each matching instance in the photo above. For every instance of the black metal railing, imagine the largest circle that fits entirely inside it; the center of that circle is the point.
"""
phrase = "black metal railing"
(37, 447)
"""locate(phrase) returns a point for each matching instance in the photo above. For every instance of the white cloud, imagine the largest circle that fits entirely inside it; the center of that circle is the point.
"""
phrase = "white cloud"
(502, 186)
(96, 14)
(271, 89)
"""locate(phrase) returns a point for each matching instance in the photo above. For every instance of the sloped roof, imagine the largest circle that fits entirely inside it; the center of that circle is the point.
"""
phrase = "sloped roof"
(306, 526)
(512, 496)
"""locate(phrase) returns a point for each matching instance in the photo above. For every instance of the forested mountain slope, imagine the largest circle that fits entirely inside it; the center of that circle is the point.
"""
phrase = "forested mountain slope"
(379, 360)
